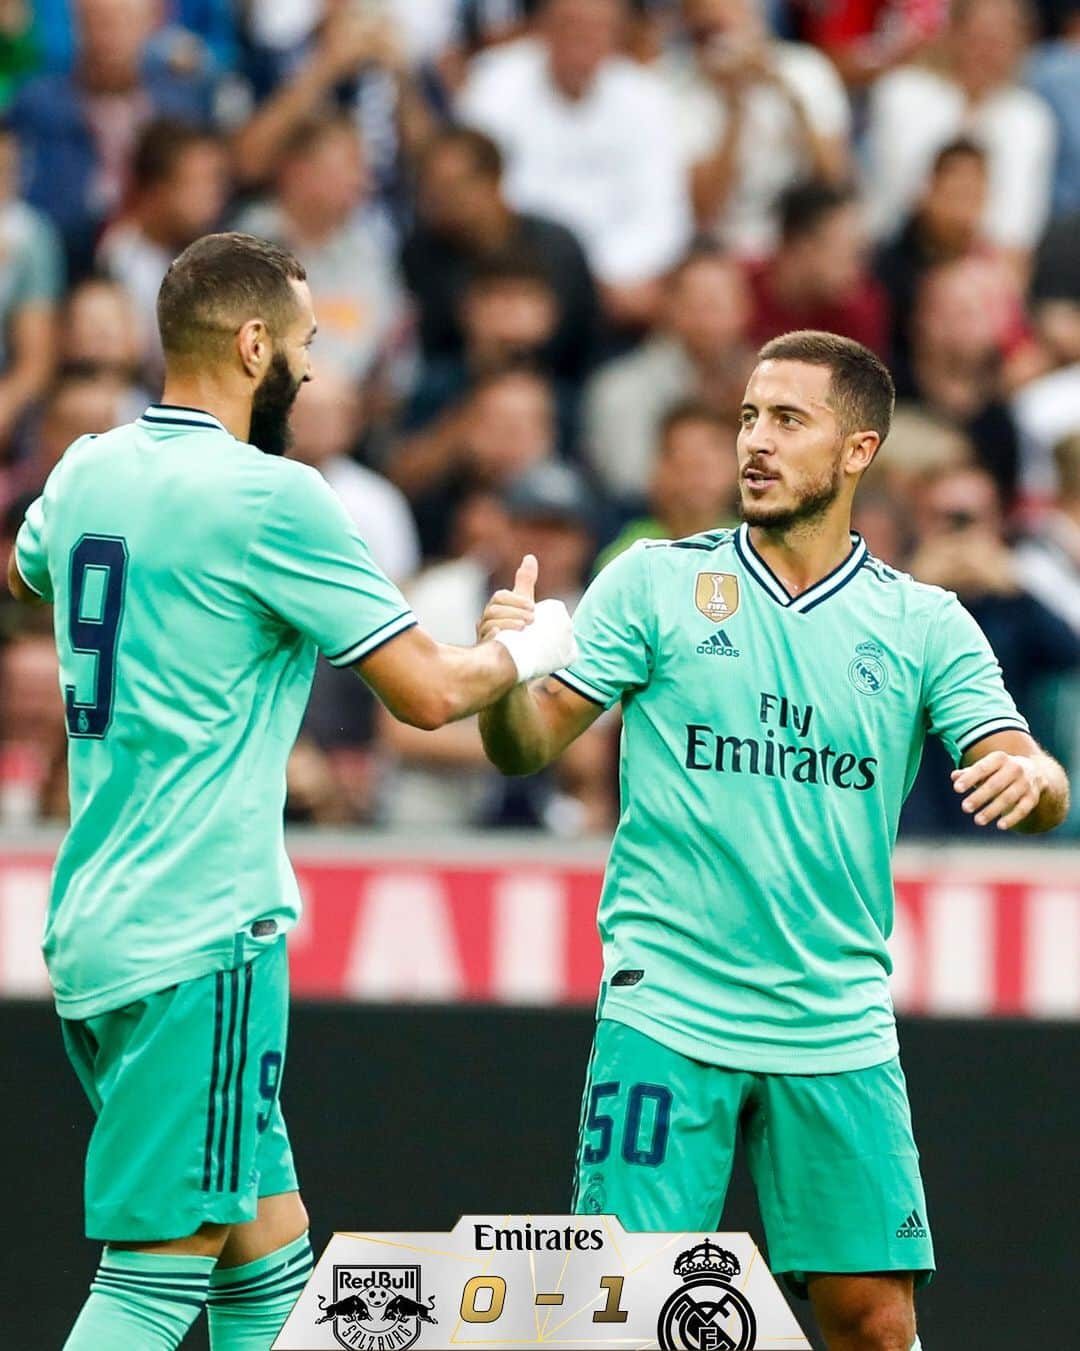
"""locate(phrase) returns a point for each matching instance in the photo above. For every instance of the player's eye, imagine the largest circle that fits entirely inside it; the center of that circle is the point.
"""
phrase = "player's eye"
(746, 417)
(789, 420)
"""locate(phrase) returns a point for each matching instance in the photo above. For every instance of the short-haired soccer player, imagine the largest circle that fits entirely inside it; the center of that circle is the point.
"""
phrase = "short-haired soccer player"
(777, 683)
(195, 576)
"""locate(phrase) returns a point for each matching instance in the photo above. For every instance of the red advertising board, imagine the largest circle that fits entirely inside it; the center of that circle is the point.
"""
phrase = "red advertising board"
(978, 932)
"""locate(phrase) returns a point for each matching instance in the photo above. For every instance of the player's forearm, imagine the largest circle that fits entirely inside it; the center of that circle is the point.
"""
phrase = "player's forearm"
(469, 679)
(1053, 805)
(514, 733)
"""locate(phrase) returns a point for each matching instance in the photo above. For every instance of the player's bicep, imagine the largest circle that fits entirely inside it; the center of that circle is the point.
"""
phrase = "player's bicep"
(406, 674)
(1012, 743)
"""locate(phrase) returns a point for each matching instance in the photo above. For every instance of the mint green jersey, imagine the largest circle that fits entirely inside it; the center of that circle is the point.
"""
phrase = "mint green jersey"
(194, 580)
(768, 745)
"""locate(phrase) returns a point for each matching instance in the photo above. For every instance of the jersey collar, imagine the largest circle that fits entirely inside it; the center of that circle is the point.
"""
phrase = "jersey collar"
(814, 595)
(178, 415)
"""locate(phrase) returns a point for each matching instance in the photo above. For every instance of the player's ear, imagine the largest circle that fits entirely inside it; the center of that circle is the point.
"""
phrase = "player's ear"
(253, 345)
(861, 449)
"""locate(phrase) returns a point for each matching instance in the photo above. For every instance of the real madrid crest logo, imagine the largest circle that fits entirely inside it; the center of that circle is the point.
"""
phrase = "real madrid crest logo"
(706, 1313)
(867, 671)
(716, 594)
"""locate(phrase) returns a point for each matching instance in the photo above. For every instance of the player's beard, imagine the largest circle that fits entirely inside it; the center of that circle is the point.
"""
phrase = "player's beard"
(271, 407)
(812, 502)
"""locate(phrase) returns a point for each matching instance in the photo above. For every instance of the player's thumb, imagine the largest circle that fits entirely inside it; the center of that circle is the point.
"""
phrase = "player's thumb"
(525, 578)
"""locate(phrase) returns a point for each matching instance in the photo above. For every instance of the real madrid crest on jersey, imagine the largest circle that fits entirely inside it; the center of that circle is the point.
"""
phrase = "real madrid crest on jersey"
(707, 1312)
(376, 1308)
(716, 594)
(867, 671)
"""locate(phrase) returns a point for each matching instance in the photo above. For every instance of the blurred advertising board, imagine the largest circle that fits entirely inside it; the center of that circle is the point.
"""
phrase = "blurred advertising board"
(491, 919)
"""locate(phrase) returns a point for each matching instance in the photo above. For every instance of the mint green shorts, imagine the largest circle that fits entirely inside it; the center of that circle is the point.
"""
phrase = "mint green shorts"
(185, 1087)
(832, 1156)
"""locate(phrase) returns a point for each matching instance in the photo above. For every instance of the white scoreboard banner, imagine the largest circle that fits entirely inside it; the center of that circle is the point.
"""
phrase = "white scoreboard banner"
(569, 1281)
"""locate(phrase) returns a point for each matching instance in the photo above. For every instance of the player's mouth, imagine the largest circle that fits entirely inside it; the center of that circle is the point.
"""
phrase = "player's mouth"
(759, 480)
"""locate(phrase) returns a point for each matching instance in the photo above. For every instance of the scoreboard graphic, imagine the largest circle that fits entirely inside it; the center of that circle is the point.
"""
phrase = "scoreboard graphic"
(562, 1281)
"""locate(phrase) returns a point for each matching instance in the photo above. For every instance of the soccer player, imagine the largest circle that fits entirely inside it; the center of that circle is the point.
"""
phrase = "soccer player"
(777, 683)
(195, 575)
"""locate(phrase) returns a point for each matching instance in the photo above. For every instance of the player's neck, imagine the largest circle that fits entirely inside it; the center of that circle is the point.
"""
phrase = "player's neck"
(232, 410)
(802, 555)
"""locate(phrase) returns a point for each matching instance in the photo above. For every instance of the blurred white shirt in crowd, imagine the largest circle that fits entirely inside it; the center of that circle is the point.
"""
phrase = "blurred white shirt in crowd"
(1045, 411)
(607, 165)
(915, 111)
(380, 512)
(771, 153)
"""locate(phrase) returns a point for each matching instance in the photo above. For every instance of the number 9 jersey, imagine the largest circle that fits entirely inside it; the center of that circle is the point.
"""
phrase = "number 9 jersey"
(194, 579)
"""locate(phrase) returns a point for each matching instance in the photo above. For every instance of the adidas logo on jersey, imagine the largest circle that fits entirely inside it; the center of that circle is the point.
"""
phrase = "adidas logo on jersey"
(912, 1227)
(717, 644)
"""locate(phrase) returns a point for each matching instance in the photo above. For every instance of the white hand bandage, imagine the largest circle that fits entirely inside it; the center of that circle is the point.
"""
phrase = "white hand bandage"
(545, 645)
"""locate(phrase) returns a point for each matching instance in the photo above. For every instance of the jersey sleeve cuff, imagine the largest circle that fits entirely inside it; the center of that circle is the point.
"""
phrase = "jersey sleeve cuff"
(1005, 723)
(364, 647)
(584, 688)
(21, 570)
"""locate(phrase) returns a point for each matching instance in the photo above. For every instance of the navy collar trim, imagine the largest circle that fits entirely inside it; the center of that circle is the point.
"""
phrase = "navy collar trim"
(177, 415)
(829, 585)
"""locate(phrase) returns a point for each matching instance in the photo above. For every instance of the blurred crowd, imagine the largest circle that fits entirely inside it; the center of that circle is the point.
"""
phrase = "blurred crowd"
(544, 241)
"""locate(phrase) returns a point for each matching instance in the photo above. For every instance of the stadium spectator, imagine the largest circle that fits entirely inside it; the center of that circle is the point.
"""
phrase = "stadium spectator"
(915, 110)
(1055, 290)
(78, 129)
(694, 483)
(506, 423)
(1053, 71)
(78, 404)
(178, 189)
(33, 741)
(754, 115)
(356, 61)
(100, 335)
(946, 224)
(961, 546)
(820, 277)
(31, 285)
(326, 426)
(464, 220)
(1048, 558)
(700, 351)
(589, 140)
(443, 780)
(865, 38)
(960, 334)
(322, 183)
(19, 48)
(507, 314)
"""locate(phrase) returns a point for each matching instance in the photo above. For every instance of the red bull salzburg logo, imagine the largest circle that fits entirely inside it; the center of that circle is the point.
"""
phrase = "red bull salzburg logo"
(377, 1308)
(707, 1313)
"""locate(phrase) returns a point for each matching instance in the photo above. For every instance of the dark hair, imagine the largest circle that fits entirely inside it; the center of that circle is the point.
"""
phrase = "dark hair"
(159, 148)
(804, 206)
(692, 410)
(307, 134)
(485, 154)
(861, 390)
(963, 147)
(513, 264)
(216, 285)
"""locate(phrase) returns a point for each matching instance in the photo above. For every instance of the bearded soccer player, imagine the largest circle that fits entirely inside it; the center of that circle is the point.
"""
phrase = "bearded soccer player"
(777, 683)
(195, 576)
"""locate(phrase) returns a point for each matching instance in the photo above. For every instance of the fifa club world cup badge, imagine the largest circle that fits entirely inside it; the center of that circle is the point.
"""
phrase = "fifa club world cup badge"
(376, 1308)
(716, 595)
(707, 1313)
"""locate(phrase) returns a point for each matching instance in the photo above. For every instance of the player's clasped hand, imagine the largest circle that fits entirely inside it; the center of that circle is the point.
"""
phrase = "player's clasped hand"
(1000, 787)
(539, 637)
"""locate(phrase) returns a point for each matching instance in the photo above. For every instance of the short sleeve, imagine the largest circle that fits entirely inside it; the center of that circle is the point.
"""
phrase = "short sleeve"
(965, 696)
(614, 626)
(309, 565)
(31, 551)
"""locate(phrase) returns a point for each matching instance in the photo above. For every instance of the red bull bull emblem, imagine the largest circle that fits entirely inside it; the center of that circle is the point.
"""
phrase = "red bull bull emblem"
(377, 1308)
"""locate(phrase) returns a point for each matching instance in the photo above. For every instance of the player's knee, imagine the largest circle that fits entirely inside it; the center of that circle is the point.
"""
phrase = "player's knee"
(883, 1326)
